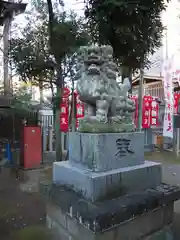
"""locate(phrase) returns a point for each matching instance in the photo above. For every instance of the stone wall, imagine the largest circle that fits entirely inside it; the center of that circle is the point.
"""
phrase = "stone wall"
(141, 227)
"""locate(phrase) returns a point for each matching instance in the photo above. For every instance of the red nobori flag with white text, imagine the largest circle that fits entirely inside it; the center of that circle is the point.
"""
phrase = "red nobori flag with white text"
(64, 115)
(64, 123)
(154, 112)
(146, 112)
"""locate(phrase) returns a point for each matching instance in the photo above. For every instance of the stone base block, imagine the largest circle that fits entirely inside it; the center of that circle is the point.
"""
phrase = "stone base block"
(106, 185)
(164, 234)
(138, 215)
(104, 152)
(144, 227)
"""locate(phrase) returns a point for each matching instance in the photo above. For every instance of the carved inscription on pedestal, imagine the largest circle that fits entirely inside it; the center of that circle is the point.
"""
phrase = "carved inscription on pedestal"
(123, 147)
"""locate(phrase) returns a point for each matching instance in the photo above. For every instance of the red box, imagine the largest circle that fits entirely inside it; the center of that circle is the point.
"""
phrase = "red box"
(31, 147)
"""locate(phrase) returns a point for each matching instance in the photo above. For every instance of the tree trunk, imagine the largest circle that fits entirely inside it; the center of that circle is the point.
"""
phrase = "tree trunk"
(140, 97)
(59, 155)
(72, 115)
(59, 82)
(7, 85)
(41, 91)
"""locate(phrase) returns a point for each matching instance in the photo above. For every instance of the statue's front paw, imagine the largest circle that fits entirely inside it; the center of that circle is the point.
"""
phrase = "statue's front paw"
(96, 94)
(101, 118)
(116, 119)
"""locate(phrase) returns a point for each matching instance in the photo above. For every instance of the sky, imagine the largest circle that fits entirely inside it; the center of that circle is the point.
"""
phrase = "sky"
(171, 42)
(76, 5)
(170, 19)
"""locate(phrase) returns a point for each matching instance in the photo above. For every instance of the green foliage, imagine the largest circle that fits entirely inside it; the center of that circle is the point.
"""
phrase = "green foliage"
(70, 33)
(21, 104)
(132, 27)
(31, 54)
(21, 101)
(33, 232)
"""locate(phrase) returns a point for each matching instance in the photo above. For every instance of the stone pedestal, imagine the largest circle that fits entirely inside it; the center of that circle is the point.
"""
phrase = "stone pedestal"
(142, 215)
(102, 185)
(137, 228)
(104, 165)
(107, 191)
(106, 151)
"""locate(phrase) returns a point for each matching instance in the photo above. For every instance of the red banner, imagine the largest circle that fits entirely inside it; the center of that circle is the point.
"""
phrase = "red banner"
(64, 108)
(154, 112)
(64, 123)
(176, 102)
(64, 115)
(146, 112)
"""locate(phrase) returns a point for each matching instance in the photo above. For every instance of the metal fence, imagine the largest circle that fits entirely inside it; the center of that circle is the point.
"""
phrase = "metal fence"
(154, 90)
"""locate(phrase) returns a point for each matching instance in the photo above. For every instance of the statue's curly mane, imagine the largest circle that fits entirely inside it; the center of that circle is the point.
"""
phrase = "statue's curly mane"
(98, 88)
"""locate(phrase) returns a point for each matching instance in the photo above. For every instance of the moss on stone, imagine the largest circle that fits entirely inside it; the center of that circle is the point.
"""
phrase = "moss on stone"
(32, 233)
(99, 127)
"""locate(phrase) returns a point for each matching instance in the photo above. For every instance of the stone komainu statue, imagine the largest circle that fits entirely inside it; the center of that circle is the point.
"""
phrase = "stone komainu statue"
(105, 100)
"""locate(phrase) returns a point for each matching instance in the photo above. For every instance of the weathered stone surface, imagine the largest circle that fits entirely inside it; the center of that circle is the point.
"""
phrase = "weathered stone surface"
(110, 212)
(164, 234)
(130, 229)
(102, 152)
(98, 185)
(105, 99)
(95, 126)
(143, 226)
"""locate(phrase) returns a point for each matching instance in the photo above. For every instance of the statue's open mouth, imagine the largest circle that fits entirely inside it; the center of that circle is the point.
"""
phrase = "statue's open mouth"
(93, 69)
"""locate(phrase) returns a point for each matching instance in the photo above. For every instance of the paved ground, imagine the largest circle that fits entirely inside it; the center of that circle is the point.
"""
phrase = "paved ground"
(22, 210)
(21, 207)
(170, 168)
